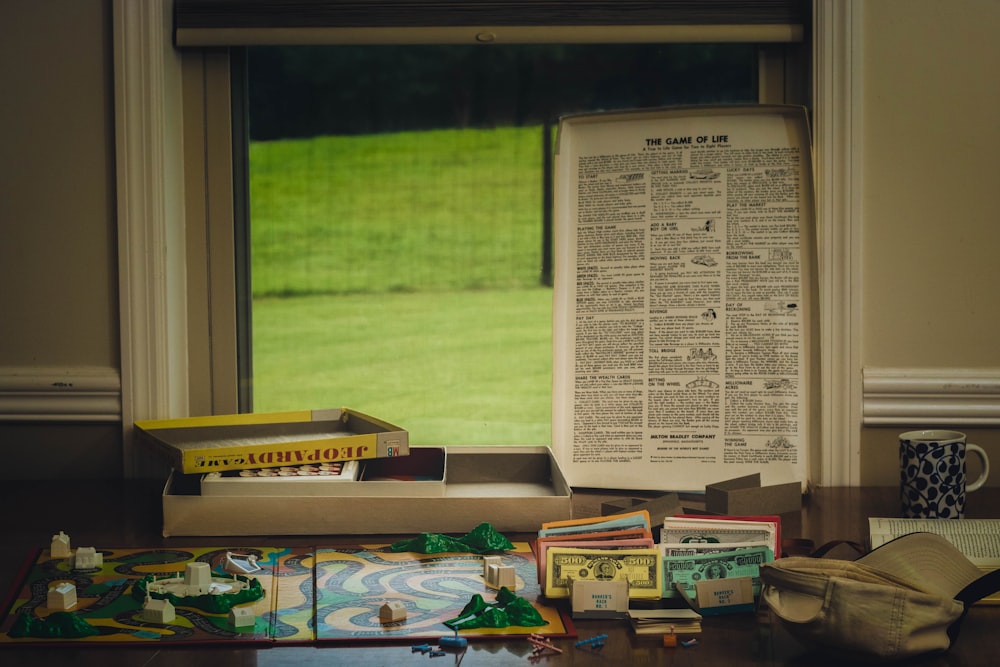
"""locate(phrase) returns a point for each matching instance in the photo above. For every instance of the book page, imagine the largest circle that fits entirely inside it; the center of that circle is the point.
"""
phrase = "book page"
(684, 297)
(978, 539)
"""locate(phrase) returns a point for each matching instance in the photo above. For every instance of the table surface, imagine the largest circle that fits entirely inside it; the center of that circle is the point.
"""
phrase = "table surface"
(126, 513)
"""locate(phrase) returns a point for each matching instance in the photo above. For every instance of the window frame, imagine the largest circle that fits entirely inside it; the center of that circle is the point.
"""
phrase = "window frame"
(179, 328)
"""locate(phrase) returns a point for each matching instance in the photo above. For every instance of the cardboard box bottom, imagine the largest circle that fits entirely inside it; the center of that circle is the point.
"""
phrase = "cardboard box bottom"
(513, 488)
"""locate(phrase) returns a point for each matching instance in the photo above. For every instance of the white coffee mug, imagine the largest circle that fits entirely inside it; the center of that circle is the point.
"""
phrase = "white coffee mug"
(932, 481)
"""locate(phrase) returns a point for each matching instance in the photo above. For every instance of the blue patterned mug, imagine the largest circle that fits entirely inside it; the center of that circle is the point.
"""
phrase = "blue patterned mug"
(932, 482)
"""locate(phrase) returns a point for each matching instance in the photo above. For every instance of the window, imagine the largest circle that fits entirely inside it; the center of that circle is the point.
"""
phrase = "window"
(765, 57)
(398, 220)
(208, 358)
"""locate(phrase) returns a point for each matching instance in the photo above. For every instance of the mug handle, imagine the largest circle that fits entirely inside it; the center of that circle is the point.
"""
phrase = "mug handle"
(981, 453)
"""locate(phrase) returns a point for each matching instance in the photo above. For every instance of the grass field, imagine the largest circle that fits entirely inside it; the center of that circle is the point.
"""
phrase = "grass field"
(399, 274)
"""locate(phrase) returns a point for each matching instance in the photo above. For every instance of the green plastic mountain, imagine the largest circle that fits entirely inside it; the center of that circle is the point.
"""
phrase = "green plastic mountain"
(57, 625)
(508, 610)
(482, 539)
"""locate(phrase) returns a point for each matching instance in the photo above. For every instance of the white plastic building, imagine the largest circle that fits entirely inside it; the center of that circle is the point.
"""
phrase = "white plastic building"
(490, 560)
(198, 578)
(60, 546)
(87, 558)
(391, 612)
(61, 596)
(241, 617)
(498, 576)
(158, 611)
(240, 563)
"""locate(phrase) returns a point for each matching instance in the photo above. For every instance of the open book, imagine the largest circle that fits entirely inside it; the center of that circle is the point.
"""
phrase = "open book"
(978, 539)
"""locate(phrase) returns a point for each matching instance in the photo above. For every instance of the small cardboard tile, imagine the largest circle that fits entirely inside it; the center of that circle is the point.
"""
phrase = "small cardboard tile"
(599, 599)
(745, 496)
(660, 508)
(724, 596)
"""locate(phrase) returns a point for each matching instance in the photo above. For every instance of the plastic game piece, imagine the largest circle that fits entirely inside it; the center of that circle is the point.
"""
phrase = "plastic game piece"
(429, 543)
(60, 547)
(490, 560)
(481, 539)
(212, 594)
(423, 648)
(237, 563)
(86, 558)
(158, 611)
(542, 644)
(670, 640)
(61, 596)
(453, 642)
(509, 609)
(392, 612)
(597, 641)
(484, 538)
(58, 624)
(499, 576)
(242, 617)
(687, 643)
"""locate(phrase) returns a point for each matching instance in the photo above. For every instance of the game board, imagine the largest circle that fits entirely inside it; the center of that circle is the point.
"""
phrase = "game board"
(311, 594)
(105, 599)
(351, 584)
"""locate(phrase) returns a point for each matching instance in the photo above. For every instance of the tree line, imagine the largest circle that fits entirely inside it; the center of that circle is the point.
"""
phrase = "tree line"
(306, 91)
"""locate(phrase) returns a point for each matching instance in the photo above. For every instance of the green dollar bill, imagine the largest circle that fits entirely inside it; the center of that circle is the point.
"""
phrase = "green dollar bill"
(688, 570)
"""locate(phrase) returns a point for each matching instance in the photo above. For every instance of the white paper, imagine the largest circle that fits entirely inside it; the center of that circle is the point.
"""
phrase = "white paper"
(684, 297)
(978, 539)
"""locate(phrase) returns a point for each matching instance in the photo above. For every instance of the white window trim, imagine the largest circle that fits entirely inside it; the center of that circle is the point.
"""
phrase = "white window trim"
(151, 226)
(837, 107)
(151, 243)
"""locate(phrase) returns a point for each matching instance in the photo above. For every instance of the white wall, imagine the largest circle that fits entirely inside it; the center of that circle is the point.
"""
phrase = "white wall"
(59, 360)
(56, 191)
(930, 192)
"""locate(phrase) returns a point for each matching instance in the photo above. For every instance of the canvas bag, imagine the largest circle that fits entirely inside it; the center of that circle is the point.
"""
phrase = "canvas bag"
(903, 599)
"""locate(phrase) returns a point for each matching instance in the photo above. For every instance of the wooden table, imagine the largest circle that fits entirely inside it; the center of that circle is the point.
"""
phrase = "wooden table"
(127, 514)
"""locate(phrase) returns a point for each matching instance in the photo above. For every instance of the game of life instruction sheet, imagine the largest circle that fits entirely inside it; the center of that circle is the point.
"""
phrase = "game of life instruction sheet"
(684, 297)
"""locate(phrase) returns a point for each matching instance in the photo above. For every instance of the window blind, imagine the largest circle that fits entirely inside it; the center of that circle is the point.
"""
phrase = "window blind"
(199, 23)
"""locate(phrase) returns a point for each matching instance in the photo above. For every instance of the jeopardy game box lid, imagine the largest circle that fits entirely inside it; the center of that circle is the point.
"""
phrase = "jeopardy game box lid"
(264, 440)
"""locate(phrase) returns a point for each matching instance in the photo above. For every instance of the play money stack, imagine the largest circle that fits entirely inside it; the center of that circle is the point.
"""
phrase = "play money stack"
(641, 568)
(696, 550)
(687, 570)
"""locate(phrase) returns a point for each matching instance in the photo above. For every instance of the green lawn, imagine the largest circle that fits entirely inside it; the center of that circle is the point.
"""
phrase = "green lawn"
(404, 284)
(414, 211)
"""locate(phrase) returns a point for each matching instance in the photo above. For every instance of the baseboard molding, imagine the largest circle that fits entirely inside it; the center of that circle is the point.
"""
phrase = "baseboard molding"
(931, 397)
(41, 394)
